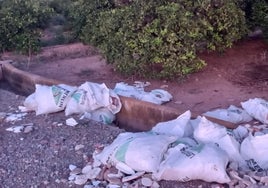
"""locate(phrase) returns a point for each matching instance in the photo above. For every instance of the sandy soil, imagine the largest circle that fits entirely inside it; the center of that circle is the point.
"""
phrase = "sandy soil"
(41, 157)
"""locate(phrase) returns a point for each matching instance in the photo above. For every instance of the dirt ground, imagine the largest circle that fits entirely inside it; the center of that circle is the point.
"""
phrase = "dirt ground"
(41, 157)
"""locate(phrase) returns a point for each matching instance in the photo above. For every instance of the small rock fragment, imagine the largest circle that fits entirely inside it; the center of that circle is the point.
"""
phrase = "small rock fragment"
(16, 129)
(147, 182)
(76, 171)
(78, 147)
(72, 167)
(71, 122)
(93, 173)
(156, 185)
(114, 180)
(87, 169)
(264, 179)
(124, 168)
(2, 115)
(80, 179)
(28, 128)
(133, 177)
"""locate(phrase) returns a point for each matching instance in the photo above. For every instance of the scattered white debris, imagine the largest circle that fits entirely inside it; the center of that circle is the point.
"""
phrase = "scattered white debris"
(16, 129)
(23, 109)
(72, 167)
(71, 122)
(15, 117)
(25, 128)
(2, 115)
(78, 147)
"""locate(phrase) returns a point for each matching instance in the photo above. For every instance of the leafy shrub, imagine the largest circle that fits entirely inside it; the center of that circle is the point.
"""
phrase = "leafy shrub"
(20, 21)
(156, 38)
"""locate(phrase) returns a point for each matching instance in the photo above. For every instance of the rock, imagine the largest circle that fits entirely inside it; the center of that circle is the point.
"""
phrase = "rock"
(133, 177)
(87, 169)
(80, 179)
(16, 129)
(147, 182)
(72, 167)
(76, 171)
(2, 115)
(71, 122)
(78, 147)
(72, 177)
(264, 179)
(28, 129)
(93, 173)
(124, 168)
(156, 185)
(15, 117)
(114, 180)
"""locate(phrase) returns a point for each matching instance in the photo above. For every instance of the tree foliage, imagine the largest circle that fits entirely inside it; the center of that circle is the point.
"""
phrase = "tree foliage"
(20, 23)
(156, 38)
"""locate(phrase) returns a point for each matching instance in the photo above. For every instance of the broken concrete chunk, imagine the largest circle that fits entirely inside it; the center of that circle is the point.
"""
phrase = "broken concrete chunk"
(2, 115)
(72, 167)
(16, 129)
(80, 179)
(147, 182)
(15, 117)
(124, 168)
(133, 177)
(93, 173)
(78, 147)
(76, 171)
(71, 122)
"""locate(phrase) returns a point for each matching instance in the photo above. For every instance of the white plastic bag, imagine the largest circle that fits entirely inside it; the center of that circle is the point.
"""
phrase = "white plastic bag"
(52, 98)
(139, 151)
(232, 114)
(204, 162)
(254, 150)
(177, 127)
(209, 132)
(257, 108)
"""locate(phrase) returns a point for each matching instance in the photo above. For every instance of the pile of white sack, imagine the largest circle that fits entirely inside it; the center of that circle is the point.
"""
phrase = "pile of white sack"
(187, 149)
(93, 100)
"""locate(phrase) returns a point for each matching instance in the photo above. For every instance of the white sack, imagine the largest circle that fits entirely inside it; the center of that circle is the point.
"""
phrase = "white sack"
(102, 115)
(78, 103)
(209, 132)
(30, 103)
(139, 151)
(52, 98)
(97, 94)
(254, 149)
(257, 108)
(232, 114)
(240, 133)
(156, 96)
(204, 162)
(115, 103)
(177, 127)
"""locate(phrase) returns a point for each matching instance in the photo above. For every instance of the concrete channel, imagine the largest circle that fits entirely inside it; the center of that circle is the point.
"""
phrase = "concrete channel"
(135, 115)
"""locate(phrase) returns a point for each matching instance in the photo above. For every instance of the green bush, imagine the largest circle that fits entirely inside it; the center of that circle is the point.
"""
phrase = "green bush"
(259, 16)
(20, 23)
(156, 38)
